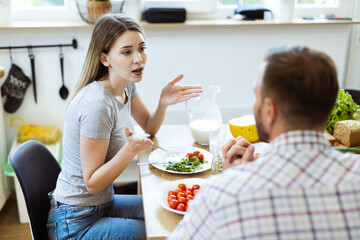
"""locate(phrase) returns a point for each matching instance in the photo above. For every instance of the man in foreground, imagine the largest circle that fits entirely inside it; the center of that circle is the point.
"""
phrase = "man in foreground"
(300, 187)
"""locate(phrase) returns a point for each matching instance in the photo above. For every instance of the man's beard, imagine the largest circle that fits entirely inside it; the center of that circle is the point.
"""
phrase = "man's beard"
(263, 135)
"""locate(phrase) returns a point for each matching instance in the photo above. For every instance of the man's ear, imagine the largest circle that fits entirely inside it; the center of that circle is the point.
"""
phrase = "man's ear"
(103, 59)
(271, 111)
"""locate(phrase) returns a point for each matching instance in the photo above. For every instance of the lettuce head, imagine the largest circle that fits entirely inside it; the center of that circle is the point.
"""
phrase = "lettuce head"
(345, 109)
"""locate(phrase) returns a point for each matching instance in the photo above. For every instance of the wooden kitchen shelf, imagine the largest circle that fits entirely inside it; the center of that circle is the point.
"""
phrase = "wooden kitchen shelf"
(189, 23)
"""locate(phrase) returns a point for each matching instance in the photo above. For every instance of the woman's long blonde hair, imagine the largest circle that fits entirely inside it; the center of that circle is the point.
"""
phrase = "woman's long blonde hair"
(106, 30)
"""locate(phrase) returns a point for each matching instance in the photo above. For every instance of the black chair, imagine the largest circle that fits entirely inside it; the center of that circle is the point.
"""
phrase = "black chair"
(355, 94)
(37, 171)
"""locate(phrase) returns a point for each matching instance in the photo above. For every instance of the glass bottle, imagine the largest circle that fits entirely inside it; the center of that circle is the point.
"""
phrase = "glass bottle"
(217, 140)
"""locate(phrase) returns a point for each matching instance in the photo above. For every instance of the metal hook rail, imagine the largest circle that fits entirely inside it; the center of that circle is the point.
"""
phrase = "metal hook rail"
(73, 44)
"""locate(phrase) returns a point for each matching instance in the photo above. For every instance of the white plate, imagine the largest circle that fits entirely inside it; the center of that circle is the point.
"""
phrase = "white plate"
(159, 155)
(163, 189)
(260, 147)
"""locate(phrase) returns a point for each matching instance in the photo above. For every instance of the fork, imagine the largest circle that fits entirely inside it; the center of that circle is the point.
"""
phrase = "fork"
(166, 149)
(152, 163)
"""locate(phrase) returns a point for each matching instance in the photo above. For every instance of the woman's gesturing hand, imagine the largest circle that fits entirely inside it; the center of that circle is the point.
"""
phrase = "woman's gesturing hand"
(172, 94)
(136, 142)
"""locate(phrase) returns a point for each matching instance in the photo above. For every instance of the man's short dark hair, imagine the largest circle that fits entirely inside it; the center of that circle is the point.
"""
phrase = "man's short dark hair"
(303, 83)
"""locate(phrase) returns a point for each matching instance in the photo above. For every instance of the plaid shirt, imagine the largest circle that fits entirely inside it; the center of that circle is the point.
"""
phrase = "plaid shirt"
(300, 188)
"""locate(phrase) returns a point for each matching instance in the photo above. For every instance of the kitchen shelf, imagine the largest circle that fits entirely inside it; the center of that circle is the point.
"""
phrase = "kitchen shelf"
(239, 23)
(44, 25)
(189, 23)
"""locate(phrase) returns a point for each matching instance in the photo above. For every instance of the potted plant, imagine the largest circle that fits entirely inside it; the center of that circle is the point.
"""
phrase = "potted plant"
(96, 8)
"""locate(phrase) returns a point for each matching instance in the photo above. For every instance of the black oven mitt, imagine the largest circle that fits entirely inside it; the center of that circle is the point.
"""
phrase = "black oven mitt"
(14, 88)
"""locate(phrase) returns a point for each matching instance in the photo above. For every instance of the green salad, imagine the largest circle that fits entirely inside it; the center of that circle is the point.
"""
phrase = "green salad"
(345, 109)
(188, 164)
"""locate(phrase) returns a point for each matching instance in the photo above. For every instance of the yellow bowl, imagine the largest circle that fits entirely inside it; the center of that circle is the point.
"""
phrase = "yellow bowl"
(244, 126)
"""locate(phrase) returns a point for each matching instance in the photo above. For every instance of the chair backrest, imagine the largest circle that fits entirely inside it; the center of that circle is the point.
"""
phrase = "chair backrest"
(355, 94)
(37, 171)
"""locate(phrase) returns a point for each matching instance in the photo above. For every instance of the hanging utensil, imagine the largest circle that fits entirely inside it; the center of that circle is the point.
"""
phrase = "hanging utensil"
(64, 92)
(32, 61)
(11, 57)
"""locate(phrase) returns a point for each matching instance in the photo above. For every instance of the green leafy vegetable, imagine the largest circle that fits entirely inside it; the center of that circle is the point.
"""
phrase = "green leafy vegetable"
(353, 150)
(345, 109)
(185, 165)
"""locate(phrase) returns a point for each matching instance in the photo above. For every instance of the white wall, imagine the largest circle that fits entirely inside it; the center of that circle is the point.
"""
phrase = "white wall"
(353, 70)
(50, 107)
(227, 56)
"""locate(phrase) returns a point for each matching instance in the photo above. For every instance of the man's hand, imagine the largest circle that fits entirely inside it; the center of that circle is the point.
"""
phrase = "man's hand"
(237, 152)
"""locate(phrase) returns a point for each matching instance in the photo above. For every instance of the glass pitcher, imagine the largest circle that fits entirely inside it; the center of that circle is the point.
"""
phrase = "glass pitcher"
(204, 114)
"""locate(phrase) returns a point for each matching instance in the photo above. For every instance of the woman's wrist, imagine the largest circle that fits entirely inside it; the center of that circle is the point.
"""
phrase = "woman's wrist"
(162, 103)
(129, 151)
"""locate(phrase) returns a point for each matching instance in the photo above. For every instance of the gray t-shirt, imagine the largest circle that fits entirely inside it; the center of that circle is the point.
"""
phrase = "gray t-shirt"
(93, 113)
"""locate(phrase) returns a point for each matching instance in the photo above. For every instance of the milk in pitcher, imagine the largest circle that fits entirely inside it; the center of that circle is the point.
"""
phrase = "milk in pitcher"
(200, 130)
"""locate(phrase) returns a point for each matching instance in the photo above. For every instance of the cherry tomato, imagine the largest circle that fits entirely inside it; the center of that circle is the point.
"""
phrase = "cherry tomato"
(172, 197)
(186, 208)
(182, 186)
(181, 197)
(201, 157)
(189, 197)
(182, 200)
(180, 207)
(187, 193)
(178, 190)
(181, 194)
(189, 155)
(171, 193)
(195, 187)
(173, 203)
(196, 153)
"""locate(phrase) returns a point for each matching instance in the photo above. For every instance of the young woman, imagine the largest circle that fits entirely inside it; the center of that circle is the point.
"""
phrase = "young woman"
(98, 143)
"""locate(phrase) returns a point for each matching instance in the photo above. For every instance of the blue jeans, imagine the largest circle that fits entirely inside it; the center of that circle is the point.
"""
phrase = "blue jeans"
(123, 218)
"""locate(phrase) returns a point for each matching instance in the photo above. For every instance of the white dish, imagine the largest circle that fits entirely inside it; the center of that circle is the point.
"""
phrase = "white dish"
(260, 147)
(160, 155)
(163, 189)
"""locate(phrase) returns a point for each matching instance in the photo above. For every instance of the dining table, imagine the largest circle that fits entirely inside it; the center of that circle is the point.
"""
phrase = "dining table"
(159, 221)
